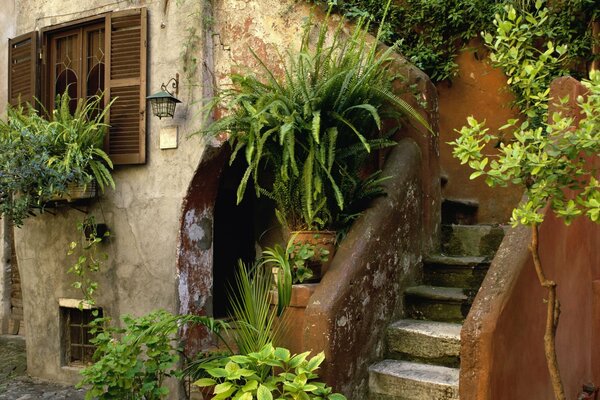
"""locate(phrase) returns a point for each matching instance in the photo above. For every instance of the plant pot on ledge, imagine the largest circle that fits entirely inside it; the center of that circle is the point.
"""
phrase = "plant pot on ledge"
(324, 244)
(77, 192)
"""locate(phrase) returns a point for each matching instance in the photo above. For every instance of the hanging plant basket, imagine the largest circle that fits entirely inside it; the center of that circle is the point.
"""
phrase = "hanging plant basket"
(78, 192)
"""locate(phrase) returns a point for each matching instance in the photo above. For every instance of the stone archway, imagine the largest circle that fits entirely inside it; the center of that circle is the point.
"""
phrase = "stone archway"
(195, 248)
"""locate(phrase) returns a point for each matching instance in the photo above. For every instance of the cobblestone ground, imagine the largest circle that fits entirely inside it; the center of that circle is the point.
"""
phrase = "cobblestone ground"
(16, 385)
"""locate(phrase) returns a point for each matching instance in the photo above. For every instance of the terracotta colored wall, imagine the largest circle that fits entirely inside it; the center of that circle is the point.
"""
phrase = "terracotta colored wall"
(478, 90)
(502, 354)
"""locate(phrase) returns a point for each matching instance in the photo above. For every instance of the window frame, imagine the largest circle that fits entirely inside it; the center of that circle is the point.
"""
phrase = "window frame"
(66, 339)
(81, 31)
(126, 140)
(46, 81)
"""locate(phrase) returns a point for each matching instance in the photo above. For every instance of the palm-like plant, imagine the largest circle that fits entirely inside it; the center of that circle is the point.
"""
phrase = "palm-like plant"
(315, 126)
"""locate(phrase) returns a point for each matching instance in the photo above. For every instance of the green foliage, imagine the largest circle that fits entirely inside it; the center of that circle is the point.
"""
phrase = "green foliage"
(292, 266)
(530, 66)
(546, 155)
(40, 158)
(89, 259)
(251, 309)
(546, 160)
(133, 362)
(315, 126)
(271, 373)
(430, 33)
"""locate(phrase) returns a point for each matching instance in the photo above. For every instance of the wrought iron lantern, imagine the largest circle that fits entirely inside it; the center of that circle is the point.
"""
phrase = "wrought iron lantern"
(163, 103)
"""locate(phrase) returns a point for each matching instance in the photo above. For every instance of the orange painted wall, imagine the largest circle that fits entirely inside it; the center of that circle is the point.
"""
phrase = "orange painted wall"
(502, 354)
(478, 90)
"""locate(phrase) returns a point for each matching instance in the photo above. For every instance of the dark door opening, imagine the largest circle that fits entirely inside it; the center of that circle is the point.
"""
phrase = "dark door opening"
(234, 234)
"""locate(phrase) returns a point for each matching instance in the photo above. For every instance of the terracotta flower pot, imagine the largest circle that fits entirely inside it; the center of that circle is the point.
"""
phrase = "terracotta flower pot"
(324, 243)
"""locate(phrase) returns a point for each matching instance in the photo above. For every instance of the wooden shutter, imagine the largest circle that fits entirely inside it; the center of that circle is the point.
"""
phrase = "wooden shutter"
(126, 82)
(22, 69)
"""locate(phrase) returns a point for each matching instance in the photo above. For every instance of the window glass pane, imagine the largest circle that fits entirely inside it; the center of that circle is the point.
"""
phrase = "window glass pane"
(66, 67)
(95, 62)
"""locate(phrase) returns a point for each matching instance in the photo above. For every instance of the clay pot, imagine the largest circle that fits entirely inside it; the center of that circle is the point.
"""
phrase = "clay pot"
(322, 241)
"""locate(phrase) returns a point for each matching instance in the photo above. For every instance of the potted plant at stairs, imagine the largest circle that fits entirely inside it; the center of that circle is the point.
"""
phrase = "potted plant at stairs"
(49, 159)
(311, 131)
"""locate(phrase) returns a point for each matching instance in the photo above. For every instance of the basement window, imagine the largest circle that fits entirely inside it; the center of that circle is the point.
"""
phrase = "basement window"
(77, 349)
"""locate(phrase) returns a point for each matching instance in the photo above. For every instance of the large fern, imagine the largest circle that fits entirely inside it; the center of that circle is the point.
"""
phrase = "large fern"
(315, 125)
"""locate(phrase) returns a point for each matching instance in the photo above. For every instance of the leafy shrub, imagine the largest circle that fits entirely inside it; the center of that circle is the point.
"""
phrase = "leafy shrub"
(133, 362)
(271, 373)
(40, 158)
(430, 33)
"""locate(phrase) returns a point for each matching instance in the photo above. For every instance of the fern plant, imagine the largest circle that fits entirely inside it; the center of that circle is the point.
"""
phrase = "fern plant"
(313, 127)
(41, 157)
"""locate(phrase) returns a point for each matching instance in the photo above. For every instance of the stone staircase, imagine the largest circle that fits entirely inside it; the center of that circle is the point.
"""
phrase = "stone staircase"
(423, 350)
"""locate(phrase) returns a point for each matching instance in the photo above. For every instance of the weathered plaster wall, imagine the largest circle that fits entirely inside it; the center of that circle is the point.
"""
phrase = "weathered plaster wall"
(478, 90)
(7, 23)
(143, 213)
(360, 295)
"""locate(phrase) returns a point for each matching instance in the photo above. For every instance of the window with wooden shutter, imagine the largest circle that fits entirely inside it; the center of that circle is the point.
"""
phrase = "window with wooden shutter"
(104, 53)
(22, 71)
(126, 82)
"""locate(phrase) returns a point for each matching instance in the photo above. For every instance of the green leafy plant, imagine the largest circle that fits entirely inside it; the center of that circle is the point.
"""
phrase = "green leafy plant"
(430, 33)
(133, 362)
(271, 373)
(251, 309)
(529, 65)
(548, 159)
(41, 158)
(89, 259)
(314, 127)
(292, 267)
(252, 316)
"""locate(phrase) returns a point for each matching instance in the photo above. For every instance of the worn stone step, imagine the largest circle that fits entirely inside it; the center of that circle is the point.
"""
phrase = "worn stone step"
(430, 342)
(404, 380)
(436, 303)
(472, 240)
(459, 211)
(452, 271)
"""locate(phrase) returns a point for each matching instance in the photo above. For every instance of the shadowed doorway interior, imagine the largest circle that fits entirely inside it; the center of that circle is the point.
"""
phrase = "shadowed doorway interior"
(234, 234)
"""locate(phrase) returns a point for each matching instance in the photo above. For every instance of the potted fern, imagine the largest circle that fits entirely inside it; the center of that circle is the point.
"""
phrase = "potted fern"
(54, 158)
(313, 129)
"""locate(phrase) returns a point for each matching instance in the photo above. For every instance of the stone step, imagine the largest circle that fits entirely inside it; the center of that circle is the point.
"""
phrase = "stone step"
(459, 211)
(430, 342)
(404, 380)
(436, 303)
(471, 240)
(451, 271)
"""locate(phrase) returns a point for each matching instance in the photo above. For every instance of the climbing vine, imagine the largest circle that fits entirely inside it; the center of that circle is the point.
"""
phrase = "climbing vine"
(432, 32)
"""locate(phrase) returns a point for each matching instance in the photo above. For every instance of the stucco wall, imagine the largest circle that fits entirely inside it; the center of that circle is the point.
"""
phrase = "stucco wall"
(478, 90)
(143, 212)
(502, 351)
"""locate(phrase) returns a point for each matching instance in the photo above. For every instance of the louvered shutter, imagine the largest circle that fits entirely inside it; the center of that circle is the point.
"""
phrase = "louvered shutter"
(126, 82)
(22, 71)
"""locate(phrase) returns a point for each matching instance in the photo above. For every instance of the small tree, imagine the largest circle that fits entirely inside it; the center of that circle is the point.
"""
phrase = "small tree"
(548, 155)
(551, 163)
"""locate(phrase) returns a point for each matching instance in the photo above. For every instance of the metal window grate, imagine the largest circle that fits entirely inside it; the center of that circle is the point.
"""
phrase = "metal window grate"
(78, 349)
